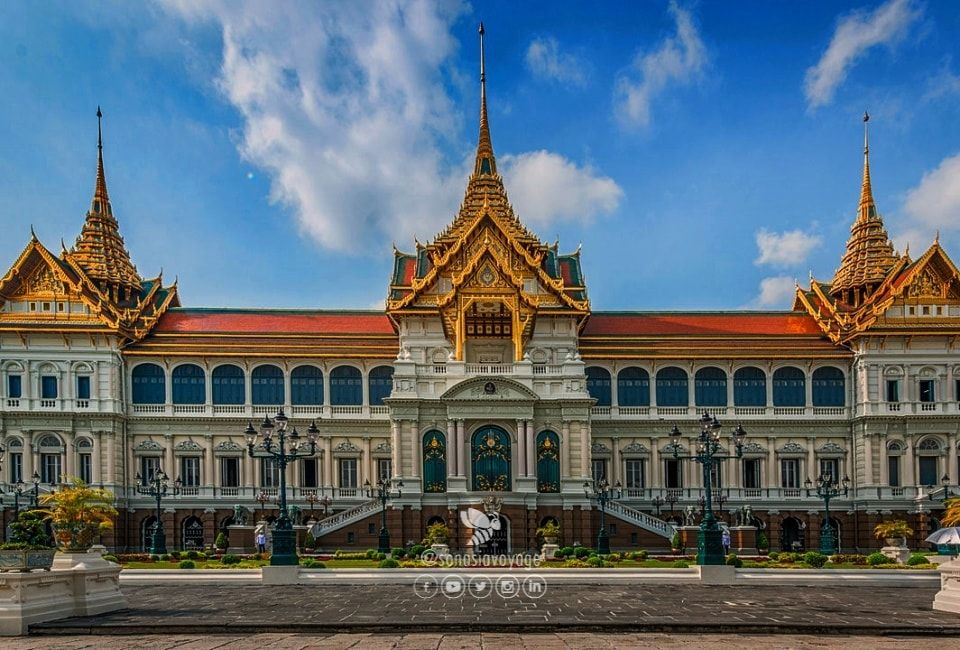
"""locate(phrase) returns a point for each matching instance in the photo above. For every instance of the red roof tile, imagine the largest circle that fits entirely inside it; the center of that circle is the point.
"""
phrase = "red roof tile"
(700, 324)
(274, 322)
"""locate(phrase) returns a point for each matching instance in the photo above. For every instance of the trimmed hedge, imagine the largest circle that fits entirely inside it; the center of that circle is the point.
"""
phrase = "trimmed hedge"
(187, 564)
(878, 558)
(389, 563)
(230, 558)
(734, 561)
(916, 560)
(815, 559)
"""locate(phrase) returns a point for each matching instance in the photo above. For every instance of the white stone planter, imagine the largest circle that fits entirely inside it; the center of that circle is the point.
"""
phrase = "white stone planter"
(26, 560)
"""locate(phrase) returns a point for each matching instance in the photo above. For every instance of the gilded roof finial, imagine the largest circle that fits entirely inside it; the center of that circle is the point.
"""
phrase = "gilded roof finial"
(485, 164)
(868, 208)
(100, 191)
(936, 239)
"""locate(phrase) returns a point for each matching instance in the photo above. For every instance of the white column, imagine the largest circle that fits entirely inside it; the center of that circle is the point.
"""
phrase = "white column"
(395, 451)
(461, 449)
(208, 475)
(328, 462)
(69, 456)
(531, 450)
(867, 458)
(367, 462)
(451, 449)
(168, 467)
(884, 463)
(326, 399)
(910, 470)
(584, 448)
(96, 458)
(952, 469)
(654, 480)
(616, 470)
(28, 465)
(812, 470)
(772, 479)
(565, 450)
(521, 469)
(112, 458)
(248, 478)
(414, 449)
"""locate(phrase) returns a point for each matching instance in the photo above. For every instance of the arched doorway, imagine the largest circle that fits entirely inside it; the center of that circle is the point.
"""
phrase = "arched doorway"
(191, 534)
(499, 542)
(791, 535)
(490, 457)
(548, 462)
(146, 532)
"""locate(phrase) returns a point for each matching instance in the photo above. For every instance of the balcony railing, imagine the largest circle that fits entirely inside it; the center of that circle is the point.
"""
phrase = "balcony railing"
(489, 368)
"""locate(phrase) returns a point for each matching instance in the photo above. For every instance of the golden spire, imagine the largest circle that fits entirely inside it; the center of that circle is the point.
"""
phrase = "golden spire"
(486, 163)
(867, 208)
(100, 250)
(869, 254)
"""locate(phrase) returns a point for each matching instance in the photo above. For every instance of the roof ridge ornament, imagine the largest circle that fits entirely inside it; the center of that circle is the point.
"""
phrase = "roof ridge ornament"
(486, 164)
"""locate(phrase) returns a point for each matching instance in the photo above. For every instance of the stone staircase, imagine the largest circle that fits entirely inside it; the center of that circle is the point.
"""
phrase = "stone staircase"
(641, 519)
(341, 519)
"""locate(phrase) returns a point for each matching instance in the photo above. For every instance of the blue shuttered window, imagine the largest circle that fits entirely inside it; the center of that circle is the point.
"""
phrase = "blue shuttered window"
(267, 385)
(828, 387)
(228, 385)
(346, 386)
(710, 387)
(381, 384)
(789, 387)
(598, 385)
(672, 387)
(149, 384)
(749, 387)
(306, 386)
(633, 387)
(189, 384)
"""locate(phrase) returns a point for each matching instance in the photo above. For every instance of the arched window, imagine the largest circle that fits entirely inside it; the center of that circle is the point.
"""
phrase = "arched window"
(306, 386)
(749, 387)
(191, 534)
(633, 387)
(490, 456)
(598, 385)
(346, 386)
(672, 387)
(828, 389)
(381, 384)
(548, 462)
(189, 384)
(434, 462)
(146, 532)
(149, 384)
(789, 387)
(710, 387)
(228, 385)
(267, 385)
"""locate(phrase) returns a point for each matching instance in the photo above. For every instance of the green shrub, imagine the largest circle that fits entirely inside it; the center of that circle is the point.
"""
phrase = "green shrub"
(734, 561)
(640, 555)
(675, 541)
(595, 561)
(575, 563)
(917, 560)
(774, 555)
(680, 564)
(416, 550)
(815, 559)
(789, 558)
(389, 563)
(187, 564)
(30, 528)
(177, 555)
(565, 551)
(201, 555)
(310, 563)
(352, 555)
(397, 553)
(763, 543)
(613, 557)
(852, 558)
(166, 557)
(230, 558)
(581, 552)
(192, 555)
(221, 541)
(154, 558)
(876, 559)
(371, 553)
(111, 558)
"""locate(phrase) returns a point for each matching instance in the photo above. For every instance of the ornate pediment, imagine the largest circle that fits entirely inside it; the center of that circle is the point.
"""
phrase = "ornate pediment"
(792, 448)
(635, 448)
(832, 448)
(599, 448)
(228, 445)
(346, 446)
(149, 445)
(188, 445)
(753, 448)
(383, 448)
(493, 390)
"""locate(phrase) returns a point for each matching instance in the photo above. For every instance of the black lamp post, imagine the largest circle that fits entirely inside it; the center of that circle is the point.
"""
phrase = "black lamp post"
(718, 498)
(384, 494)
(657, 502)
(944, 490)
(36, 490)
(18, 489)
(313, 498)
(671, 500)
(602, 491)
(828, 488)
(157, 487)
(709, 538)
(284, 539)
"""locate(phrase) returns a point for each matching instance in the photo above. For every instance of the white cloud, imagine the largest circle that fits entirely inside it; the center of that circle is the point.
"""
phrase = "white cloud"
(855, 34)
(679, 59)
(545, 187)
(346, 108)
(933, 205)
(776, 292)
(788, 248)
(545, 59)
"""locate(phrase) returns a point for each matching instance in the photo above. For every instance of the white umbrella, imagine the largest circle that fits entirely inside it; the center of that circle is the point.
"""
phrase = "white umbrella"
(945, 536)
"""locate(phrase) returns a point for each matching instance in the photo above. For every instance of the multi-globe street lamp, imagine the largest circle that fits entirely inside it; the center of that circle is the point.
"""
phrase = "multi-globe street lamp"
(602, 491)
(284, 539)
(384, 493)
(944, 490)
(828, 488)
(157, 487)
(313, 498)
(657, 502)
(709, 538)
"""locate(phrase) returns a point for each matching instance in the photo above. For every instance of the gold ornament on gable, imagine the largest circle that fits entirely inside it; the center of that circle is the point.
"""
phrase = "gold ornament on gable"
(927, 285)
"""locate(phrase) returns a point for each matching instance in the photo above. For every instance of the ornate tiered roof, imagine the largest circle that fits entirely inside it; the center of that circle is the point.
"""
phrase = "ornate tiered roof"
(99, 249)
(870, 255)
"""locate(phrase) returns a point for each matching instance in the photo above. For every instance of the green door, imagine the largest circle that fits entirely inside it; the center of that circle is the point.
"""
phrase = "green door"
(490, 455)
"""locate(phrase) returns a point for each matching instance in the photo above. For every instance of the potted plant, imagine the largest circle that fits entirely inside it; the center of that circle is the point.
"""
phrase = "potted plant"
(30, 545)
(78, 513)
(550, 532)
(893, 532)
(675, 544)
(763, 543)
(437, 533)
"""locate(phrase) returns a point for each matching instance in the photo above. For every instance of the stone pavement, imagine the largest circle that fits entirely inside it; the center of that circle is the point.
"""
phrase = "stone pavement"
(610, 608)
(475, 641)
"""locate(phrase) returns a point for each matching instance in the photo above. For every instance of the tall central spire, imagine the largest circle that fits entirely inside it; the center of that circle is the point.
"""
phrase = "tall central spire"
(486, 164)
(867, 209)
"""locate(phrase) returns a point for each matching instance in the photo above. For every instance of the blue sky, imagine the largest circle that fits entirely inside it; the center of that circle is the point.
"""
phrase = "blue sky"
(705, 154)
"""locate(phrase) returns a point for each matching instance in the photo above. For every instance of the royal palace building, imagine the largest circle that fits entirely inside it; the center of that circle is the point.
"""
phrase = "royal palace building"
(488, 374)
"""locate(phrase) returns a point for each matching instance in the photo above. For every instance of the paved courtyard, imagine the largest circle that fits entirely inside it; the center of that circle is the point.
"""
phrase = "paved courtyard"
(611, 608)
(475, 641)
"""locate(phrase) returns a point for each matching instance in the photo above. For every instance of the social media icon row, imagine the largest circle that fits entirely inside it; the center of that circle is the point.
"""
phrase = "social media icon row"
(455, 586)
